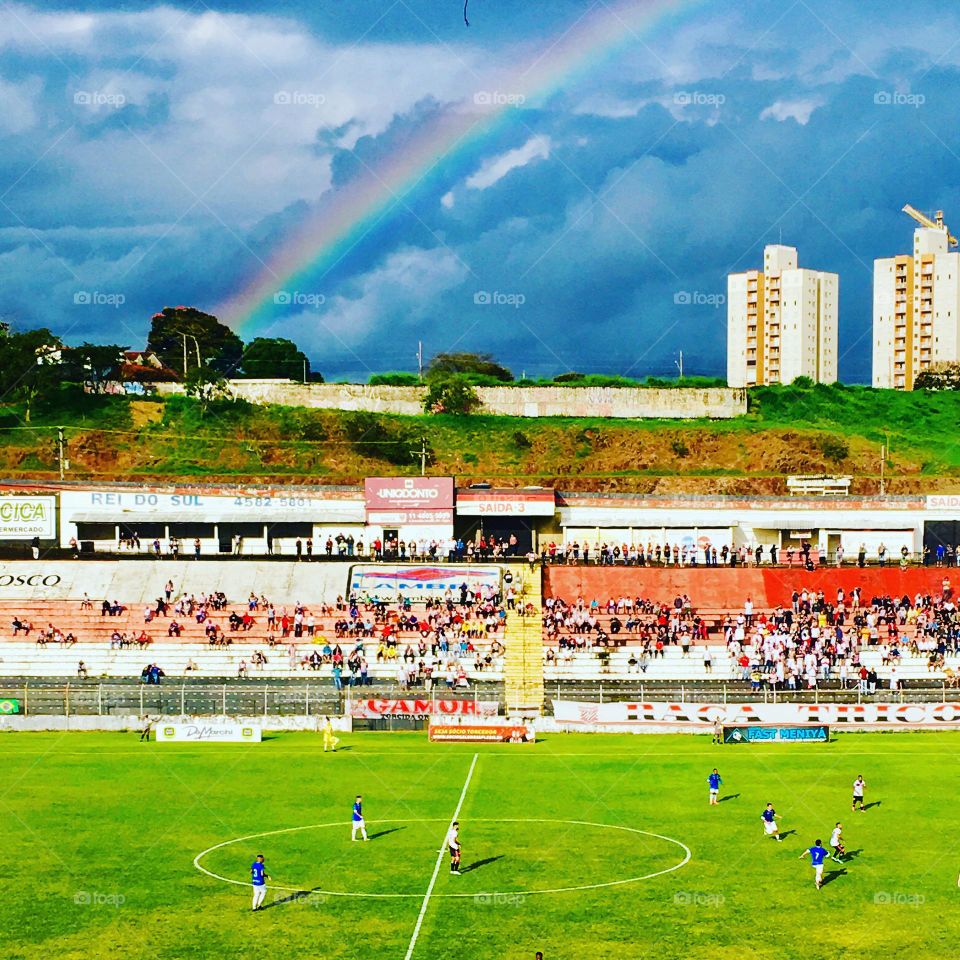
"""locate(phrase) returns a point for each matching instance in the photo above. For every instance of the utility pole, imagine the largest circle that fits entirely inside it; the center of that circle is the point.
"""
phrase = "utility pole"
(679, 364)
(184, 355)
(61, 449)
(304, 369)
(423, 456)
(420, 360)
(883, 460)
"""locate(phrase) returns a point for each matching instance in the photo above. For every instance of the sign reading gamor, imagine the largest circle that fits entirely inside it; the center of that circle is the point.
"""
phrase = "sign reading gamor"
(421, 709)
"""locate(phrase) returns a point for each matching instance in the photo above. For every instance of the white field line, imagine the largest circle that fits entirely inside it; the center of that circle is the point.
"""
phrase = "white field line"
(436, 866)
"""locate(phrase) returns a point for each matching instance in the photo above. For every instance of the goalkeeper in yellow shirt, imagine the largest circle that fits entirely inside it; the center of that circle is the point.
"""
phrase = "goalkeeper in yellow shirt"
(330, 741)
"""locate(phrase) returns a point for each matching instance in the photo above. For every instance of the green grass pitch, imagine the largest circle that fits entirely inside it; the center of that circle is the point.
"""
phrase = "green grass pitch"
(101, 832)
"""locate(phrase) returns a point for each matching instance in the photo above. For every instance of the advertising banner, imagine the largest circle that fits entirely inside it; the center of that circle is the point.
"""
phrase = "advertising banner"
(509, 503)
(207, 733)
(396, 518)
(844, 715)
(408, 493)
(477, 733)
(388, 581)
(23, 518)
(813, 733)
(414, 709)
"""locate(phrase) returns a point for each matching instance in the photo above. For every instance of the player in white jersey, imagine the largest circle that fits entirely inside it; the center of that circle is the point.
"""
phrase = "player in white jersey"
(836, 842)
(453, 845)
(858, 787)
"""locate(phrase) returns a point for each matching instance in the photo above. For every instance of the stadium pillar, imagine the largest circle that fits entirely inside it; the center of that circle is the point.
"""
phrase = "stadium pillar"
(141, 699)
(306, 701)
(66, 700)
(26, 703)
(264, 701)
(224, 700)
(99, 699)
(183, 691)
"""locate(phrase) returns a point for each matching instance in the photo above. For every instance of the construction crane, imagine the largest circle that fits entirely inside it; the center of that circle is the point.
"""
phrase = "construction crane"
(925, 221)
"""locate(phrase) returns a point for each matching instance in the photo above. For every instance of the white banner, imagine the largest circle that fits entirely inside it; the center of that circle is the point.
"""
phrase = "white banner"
(23, 518)
(687, 715)
(211, 732)
(417, 708)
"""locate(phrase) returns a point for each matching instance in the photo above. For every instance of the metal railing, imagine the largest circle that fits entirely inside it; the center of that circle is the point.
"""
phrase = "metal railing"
(297, 699)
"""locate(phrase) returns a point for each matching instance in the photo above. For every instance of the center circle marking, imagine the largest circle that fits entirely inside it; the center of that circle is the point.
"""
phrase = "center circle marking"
(454, 896)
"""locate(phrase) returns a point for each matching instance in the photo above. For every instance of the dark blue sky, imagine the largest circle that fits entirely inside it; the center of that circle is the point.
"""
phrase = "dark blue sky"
(145, 158)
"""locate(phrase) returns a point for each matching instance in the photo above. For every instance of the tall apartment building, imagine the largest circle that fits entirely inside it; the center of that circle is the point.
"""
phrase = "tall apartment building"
(916, 310)
(781, 322)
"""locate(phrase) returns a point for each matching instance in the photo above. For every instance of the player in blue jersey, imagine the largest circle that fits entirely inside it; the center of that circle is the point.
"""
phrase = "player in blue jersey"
(818, 854)
(259, 878)
(770, 818)
(358, 823)
(714, 781)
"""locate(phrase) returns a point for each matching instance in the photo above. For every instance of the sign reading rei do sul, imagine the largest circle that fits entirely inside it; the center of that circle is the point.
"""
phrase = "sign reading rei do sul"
(23, 518)
(409, 499)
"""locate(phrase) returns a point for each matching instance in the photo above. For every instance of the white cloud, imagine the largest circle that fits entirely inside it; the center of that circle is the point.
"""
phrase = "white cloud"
(799, 110)
(447, 200)
(408, 284)
(496, 168)
(18, 113)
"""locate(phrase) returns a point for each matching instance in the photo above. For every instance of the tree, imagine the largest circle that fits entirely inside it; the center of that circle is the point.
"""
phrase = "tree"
(207, 387)
(29, 366)
(451, 394)
(940, 376)
(217, 345)
(272, 358)
(481, 364)
(96, 363)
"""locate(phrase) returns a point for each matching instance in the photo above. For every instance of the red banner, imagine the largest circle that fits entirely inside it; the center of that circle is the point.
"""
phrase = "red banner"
(413, 708)
(471, 733)
(408, 493)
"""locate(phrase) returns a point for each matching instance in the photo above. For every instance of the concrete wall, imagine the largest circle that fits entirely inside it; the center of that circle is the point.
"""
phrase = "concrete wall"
(718, 403)
(143, 581)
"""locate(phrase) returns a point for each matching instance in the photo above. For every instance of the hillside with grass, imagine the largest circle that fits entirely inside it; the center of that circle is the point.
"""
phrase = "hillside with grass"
(788, 430)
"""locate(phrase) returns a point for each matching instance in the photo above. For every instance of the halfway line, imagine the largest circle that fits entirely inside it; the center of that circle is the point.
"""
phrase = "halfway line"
(436, 866)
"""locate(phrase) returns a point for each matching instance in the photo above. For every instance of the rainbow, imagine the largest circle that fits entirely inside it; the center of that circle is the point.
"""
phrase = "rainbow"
(345, 217)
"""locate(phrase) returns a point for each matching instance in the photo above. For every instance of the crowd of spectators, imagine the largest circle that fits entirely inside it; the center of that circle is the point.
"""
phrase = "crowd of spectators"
(810, 640)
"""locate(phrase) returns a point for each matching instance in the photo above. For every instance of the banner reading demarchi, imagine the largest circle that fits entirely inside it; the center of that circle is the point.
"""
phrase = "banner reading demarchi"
(8, 706)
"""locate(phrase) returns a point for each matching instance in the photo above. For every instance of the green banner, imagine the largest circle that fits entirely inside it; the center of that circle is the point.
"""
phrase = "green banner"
(9, 706)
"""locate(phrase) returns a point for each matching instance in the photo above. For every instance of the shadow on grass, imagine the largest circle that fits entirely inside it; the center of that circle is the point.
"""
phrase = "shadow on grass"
(383, 833)
(299, 896)
(477, 864)
(832, 875)
(870, 806)
(729, 796)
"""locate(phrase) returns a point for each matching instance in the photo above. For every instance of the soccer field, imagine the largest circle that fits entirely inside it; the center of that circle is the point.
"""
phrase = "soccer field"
(580, 846)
